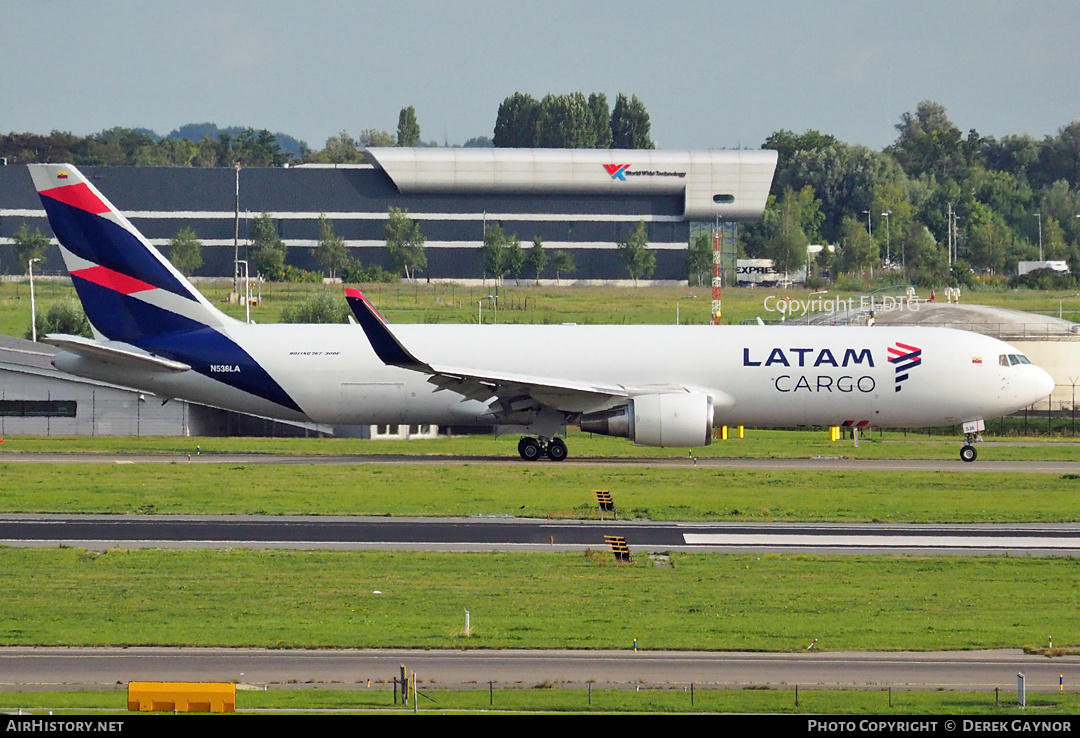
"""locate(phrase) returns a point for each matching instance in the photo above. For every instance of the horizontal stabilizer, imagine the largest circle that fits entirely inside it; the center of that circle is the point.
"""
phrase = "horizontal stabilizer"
(115, 354)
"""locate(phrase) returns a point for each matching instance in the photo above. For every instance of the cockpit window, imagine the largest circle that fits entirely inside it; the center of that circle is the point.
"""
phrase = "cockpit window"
(1013, 359)
(1003, 359)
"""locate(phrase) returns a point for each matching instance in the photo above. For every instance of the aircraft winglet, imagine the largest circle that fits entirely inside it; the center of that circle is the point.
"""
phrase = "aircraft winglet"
(386, 345)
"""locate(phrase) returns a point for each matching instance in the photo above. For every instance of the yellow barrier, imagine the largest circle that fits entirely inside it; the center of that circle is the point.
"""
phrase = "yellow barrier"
(181, 696)
(834, 433)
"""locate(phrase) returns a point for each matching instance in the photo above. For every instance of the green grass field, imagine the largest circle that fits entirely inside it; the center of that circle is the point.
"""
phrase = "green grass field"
(692, 493)
(379, 599)
(549, 698)
(1011, 445)
(450, 303)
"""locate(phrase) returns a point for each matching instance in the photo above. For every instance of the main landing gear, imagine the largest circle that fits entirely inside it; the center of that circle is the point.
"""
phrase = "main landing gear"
(532, 449)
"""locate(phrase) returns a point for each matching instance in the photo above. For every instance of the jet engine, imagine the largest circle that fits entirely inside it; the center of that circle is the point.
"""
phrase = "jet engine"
(677, 419)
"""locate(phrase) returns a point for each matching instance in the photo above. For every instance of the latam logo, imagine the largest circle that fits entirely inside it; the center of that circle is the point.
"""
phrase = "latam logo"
(904, 357)
(617, 171)
(622, 171)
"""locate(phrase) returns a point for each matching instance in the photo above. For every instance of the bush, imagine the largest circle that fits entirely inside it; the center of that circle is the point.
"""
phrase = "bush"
(65, 317)
(1045, 279)
(296, 274)
(322, 307)
(356, 273)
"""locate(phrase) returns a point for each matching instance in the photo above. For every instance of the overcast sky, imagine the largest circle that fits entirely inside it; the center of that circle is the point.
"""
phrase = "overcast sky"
(712, 74)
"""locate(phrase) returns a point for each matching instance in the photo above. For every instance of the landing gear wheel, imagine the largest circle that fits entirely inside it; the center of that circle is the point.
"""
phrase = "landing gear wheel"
(556, 449)
(529, 449)
(968, 453)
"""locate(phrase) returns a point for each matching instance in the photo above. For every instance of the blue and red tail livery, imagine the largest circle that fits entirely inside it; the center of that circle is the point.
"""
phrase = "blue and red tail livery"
(133, 295)
(126, 286)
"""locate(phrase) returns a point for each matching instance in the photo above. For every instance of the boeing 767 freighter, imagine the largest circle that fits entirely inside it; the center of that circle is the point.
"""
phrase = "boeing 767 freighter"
(655, 385)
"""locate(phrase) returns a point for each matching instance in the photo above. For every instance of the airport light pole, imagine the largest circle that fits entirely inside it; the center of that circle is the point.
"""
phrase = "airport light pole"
(684, 297)
(1039, 216)
(888, 249)
(1060, 300)
(480, 309)
(247, 290)
(33, 308)
(236, 232)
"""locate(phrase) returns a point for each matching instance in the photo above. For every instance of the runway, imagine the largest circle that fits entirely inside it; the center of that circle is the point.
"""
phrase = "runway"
(816, 463)
(110, 668)
(528, 535)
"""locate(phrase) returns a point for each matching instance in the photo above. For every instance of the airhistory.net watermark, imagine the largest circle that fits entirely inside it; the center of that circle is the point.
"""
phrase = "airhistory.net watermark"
(794, 307)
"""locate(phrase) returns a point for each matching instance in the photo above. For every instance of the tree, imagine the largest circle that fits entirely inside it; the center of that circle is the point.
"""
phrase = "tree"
(787, 245)
(699, 259)
(566, 122)
(537, 257)
(929, 143)
(374, 137)
(323, 306)
(29, 244)
(562, 262)
(330, 252)
(789, 224)
(601, 115)
(635, 254)
(857, 251)
(185, 251)
(1059, 157)
(408, 130)
(843, 176)
(502, 252)
(515, 258)
(478, 142)
(925, 263)
(630, 124)
(341, 149)
(787, 143)
(516, 125)
(405, 243)
(257, 149)
(65, 317)
(988, 245)
(267, 248)
(1054, 246)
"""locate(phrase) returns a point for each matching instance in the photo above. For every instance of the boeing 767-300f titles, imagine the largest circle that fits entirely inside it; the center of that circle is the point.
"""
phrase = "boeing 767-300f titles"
(655, 385)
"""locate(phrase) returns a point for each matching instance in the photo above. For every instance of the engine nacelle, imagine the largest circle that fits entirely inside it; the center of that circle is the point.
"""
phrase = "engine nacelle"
(677, 419)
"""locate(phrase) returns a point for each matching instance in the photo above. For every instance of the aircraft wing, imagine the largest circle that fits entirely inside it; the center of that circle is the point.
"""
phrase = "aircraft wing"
(509, 388)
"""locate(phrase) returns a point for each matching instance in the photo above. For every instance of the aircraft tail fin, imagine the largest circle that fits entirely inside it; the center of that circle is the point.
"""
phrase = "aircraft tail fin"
(127, 288)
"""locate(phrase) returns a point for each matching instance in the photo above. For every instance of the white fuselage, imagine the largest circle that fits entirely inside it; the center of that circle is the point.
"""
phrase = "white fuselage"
(759, 376)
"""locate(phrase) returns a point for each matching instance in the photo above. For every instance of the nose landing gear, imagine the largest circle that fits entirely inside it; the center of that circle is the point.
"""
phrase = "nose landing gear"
(971, 436)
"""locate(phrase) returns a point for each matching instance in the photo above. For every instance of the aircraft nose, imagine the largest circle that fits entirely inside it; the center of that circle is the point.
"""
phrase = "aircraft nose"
(1044, 383)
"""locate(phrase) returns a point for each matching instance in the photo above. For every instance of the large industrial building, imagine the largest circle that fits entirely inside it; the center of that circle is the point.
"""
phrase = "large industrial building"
(583, 201)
